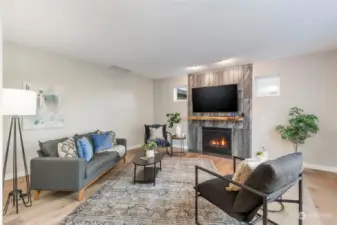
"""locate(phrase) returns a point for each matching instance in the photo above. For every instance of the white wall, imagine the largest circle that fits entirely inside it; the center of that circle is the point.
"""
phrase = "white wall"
(94, 96)
(163, 101)
(0, 102)
(308, 82)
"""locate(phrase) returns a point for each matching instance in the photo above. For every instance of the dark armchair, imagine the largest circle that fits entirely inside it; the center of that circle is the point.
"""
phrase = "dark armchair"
(267, 183)
(166, 142)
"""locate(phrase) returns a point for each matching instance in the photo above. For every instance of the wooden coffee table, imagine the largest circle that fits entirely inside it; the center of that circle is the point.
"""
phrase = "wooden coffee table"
(150, 169)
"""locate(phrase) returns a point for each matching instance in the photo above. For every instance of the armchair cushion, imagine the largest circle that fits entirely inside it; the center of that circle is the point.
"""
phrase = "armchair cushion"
(147, 130)
(213, 190)
(162, 142)
(274, 176)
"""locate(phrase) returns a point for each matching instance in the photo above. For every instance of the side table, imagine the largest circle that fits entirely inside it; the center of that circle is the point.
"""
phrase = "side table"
(182, 142)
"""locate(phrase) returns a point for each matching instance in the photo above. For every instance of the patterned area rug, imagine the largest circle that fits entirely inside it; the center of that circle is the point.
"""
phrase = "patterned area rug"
(171, 201)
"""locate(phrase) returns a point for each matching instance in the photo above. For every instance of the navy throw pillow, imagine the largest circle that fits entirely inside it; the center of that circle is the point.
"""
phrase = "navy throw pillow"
(102, 141)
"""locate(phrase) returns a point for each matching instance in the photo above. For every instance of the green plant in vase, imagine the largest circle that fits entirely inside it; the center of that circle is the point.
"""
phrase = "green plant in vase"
(149, 148)
(301, 126)
(174, 119)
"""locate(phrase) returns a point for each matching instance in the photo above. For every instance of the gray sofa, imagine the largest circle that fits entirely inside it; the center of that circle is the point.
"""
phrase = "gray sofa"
(50, 172)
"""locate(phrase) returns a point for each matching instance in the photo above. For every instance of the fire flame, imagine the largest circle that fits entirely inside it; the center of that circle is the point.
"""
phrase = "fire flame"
(219, 143)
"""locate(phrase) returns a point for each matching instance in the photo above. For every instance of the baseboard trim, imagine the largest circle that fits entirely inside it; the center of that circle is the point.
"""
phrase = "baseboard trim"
(10, 176)
(134, 146)
(320, 167)
(179, 146)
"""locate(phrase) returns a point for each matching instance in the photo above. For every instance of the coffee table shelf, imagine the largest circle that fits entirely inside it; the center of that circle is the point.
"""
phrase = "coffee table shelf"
(147, 175)
(149, 170)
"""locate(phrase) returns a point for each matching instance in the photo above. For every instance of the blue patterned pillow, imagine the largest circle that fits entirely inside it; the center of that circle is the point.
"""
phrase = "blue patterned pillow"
(84, 149)
(102, 141)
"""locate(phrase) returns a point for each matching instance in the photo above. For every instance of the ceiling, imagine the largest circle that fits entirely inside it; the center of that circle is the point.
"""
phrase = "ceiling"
(158, 38)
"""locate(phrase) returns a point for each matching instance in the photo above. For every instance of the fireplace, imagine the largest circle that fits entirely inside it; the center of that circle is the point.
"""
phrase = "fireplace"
(217, 140)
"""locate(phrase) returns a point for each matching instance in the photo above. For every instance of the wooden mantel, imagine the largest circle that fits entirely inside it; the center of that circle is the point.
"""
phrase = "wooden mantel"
(221, 118)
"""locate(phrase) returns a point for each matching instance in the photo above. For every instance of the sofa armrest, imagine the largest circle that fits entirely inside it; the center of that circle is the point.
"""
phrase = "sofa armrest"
(122, 141)
(53, 173)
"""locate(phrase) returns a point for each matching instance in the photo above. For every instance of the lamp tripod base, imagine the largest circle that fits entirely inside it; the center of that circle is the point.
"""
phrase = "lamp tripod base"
(14, 196)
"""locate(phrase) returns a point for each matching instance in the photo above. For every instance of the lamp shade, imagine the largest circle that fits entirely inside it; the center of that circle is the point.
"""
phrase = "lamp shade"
(17, 102)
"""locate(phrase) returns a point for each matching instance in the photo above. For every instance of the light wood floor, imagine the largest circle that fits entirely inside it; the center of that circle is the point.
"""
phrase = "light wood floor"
(52, 207)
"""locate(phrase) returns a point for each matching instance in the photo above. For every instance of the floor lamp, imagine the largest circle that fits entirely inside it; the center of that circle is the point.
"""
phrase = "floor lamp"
(15, 103)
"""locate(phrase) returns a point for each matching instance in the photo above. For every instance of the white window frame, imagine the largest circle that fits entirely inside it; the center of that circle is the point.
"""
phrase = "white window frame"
(267, 86)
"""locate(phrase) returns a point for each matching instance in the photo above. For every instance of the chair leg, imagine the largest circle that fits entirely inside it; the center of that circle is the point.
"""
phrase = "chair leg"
(300, 203)
(265, 212)
(196, 196)
(124, 159)
(80, 194)
(36, 194)
(196, 207)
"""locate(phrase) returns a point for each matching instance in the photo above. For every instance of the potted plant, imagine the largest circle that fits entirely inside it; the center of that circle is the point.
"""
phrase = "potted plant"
(262, 155)
(174, 119)
(149, 148)
(301, 126)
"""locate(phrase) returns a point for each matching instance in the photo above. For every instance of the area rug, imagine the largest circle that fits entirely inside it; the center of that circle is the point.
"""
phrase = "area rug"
(170, 201)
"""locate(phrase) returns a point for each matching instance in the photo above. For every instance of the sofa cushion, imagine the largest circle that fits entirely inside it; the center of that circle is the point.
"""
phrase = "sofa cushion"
(67, 148)
(113, 136)
(101, 160)
(213, 190)
(49, 148)
(102, 141)
(268, 177)
(120, 149)
(87, 135)
(85, 149)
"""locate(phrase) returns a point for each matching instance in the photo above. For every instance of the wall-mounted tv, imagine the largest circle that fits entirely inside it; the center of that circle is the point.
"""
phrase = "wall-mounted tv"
(222, 98)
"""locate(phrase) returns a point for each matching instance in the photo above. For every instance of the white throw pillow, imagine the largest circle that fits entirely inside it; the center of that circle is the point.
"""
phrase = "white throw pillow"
(156, 133)
(120, 149)
(67, 148)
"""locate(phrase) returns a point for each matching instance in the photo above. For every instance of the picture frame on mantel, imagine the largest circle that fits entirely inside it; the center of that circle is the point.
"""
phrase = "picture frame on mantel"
(267, 86)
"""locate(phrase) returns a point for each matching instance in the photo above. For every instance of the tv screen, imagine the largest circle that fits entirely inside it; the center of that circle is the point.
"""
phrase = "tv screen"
(215, 99)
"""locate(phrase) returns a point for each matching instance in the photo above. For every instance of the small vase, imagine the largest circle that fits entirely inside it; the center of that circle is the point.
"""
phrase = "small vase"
(178, 130)
(149, 153)
(263, 157)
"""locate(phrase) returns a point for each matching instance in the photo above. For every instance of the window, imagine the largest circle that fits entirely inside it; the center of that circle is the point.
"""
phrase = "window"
(180, 94)
(267, 86)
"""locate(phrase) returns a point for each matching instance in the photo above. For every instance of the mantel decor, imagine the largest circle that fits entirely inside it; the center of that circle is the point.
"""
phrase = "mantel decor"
(17, 103)
(221, 118)
(174, 119)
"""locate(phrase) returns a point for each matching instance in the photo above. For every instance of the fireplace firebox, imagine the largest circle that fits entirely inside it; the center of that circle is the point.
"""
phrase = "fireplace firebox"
(217, 140)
